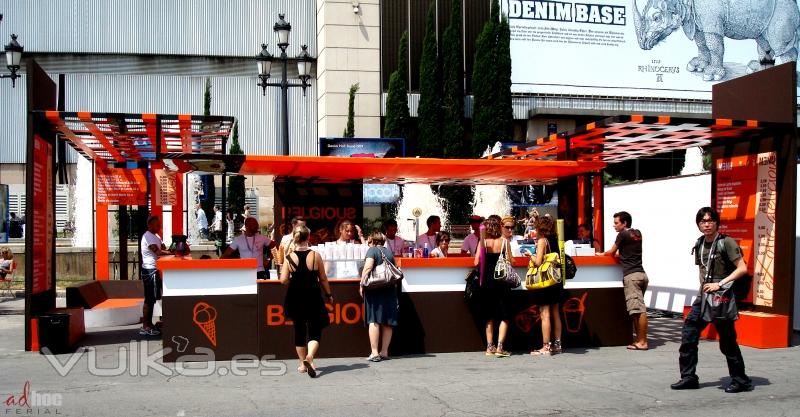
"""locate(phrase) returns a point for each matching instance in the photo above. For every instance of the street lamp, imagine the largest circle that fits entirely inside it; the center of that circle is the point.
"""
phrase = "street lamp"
(13, 58)
(264, 62)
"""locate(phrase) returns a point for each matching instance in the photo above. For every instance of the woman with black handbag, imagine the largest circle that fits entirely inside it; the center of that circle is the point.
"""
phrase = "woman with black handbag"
(492, 294)
(380, 304)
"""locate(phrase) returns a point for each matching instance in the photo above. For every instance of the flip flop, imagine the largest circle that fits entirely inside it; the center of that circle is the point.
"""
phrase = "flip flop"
(634, 347)
(302, 369)
(310, 369)
(375, 358)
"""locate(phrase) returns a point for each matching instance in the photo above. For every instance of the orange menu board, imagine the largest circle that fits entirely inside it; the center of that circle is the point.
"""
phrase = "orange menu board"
(122, 186)
(43, 215)
(745, 191)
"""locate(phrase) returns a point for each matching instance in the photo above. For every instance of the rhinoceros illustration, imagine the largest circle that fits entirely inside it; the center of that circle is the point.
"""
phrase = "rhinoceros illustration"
(773, 24)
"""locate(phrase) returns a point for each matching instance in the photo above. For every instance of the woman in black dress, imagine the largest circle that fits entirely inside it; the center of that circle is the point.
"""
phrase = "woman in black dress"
(380, 304)
(304, 305)
(492, 295)
(548, 298)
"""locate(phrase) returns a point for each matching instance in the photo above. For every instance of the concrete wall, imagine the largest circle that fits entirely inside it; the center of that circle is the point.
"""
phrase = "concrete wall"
(349, 52)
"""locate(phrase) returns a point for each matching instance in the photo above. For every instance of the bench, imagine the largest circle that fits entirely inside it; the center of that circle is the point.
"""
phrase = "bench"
(108, 303)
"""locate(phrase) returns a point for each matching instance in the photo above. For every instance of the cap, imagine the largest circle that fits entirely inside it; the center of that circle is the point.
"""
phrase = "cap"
(475, 218)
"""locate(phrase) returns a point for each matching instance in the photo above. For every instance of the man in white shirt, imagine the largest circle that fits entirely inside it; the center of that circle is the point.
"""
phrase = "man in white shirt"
(251, 245)
(152, 249)
(202, 222)
(393, 242)
(470, 245)
(434, 226)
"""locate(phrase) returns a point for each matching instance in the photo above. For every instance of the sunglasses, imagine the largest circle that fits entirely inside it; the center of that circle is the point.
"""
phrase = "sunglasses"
(508, 227)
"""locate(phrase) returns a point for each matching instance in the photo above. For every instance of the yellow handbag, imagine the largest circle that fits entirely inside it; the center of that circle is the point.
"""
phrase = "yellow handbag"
(546, 275)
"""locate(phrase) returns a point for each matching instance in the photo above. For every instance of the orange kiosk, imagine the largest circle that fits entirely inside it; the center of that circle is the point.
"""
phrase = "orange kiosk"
(433, 315)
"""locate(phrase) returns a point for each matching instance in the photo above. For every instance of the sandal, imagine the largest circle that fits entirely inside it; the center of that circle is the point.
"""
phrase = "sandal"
(302, 369)
(544, 351)
(490, 350)
(310, 369)
(556, 347)
(500, 352)
(376, 358)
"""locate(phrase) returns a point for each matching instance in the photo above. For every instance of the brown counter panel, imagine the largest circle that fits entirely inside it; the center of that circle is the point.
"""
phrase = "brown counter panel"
(233, 332)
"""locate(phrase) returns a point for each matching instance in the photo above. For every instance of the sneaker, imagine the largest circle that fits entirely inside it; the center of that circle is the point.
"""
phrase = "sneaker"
(144, 332)
(500, 352)
(153, 332)
(490, 350)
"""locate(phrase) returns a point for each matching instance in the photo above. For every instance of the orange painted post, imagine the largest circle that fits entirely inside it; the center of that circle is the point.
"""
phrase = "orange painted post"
(581, 199)
(155, 208)
(101, 242)
(177, 209)
(597, 194)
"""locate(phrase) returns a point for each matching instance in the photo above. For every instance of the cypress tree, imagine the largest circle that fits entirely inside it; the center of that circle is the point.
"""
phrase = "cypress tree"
(505, 112)
(397, 117)
(236, 182)
(457, 198)
(350, 130)
(430, 90)
(209, 190)
(485, 86)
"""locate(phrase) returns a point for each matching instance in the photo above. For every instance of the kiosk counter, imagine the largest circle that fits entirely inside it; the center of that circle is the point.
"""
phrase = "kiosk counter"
(219, 305)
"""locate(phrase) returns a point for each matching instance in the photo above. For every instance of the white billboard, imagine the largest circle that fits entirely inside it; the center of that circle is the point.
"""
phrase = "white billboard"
(656, 48)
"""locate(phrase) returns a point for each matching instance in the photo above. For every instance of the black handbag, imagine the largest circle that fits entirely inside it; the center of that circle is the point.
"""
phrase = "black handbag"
(472, 284)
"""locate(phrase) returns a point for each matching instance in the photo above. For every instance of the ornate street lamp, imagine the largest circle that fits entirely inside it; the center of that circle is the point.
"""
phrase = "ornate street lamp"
(264, 62)
(13, 58)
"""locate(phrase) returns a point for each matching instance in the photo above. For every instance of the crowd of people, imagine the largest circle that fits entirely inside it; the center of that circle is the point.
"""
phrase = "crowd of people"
(718, 257)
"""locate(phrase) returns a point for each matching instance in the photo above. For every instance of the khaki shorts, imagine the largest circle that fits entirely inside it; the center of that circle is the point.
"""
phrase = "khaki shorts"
(634, 285)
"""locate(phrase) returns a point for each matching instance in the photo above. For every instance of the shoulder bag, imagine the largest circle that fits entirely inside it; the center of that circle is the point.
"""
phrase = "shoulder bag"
(382, 275)
(504, 269)
(545, 275)
(720, 304)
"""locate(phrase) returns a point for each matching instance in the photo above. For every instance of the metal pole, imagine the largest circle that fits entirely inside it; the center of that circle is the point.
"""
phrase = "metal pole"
(285, 103)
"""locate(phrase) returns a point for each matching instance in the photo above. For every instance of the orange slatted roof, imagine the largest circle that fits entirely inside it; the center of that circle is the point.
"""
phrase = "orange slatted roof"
(124, 138)
(623, 138)
(417, 170)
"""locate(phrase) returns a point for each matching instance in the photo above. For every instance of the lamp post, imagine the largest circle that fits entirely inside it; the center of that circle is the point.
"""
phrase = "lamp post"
(264, 62)
(13, 58)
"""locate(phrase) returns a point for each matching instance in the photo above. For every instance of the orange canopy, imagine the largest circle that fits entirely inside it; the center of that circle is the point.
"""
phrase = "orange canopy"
(417, 170)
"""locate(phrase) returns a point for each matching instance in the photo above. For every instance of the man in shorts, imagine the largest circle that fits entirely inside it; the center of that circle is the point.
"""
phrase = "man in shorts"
(634, 279)
(152, 249)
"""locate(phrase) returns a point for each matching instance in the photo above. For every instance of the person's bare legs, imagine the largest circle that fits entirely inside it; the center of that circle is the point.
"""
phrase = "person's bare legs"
(147, 316)
(302, 353)
(386, 338)
(374, 338)
(313, 347)
(554, 311)
(544, 312)
(489, 333)
(640, 324)
(501, 337)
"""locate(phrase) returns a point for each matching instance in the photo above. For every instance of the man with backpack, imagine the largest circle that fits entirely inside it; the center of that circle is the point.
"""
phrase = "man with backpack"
(720, 261)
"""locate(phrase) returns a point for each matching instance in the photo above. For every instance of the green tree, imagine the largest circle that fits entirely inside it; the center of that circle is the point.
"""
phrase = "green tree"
(207, 202)
(458, 199)
(430, 92)
(236, 182)
(397, 117)
(491, 81)
(350, 130)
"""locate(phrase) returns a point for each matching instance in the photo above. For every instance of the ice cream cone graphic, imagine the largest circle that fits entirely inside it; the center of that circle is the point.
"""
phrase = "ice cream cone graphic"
(574, 308)
(205, 317)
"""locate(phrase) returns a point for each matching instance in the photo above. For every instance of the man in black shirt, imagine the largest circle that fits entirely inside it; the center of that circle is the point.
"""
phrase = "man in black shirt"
(634, 279)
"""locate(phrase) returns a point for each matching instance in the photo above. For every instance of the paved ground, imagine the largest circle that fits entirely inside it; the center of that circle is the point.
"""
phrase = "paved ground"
(605, 381)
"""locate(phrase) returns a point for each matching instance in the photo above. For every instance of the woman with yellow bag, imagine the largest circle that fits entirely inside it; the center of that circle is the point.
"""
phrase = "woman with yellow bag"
(549, 297)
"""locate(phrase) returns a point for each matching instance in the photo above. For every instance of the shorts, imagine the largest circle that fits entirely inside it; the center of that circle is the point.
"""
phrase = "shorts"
(153, 285)
(634, 285)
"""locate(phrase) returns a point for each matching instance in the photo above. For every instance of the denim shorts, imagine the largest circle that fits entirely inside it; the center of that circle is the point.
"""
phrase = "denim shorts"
(151, 279)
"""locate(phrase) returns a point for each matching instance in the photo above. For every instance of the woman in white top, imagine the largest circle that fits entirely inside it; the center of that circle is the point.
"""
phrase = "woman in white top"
(442, 245)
